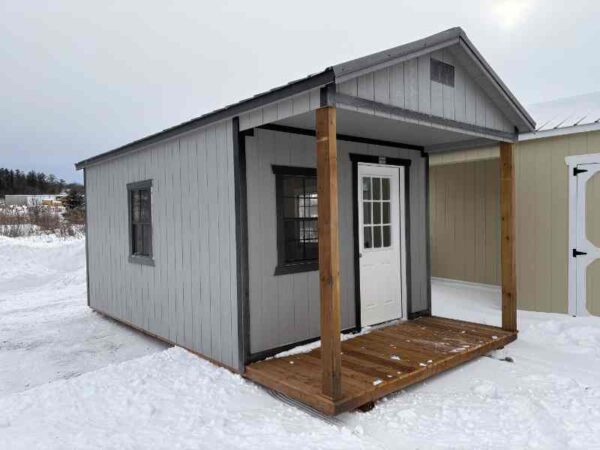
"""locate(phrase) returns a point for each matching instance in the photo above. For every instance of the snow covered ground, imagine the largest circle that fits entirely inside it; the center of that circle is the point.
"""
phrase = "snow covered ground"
(47, 332)
(70, 378)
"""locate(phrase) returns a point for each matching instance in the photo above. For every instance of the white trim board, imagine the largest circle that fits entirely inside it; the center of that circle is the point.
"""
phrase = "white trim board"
(564, 131)
(572, 162)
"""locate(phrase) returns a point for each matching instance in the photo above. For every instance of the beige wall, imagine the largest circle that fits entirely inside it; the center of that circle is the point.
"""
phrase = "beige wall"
(465, 226)
(542, 193)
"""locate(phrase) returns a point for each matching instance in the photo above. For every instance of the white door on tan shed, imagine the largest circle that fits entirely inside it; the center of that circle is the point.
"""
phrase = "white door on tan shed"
(587, 249)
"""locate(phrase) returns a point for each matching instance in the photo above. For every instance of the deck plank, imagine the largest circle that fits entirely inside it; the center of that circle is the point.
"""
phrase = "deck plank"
(381, 362)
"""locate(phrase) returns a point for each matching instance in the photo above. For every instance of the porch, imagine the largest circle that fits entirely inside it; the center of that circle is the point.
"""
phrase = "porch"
(380, 362)
(367, 243)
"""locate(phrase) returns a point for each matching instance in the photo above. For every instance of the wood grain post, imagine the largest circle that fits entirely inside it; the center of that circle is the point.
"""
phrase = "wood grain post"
(329, 253)
(507, 233)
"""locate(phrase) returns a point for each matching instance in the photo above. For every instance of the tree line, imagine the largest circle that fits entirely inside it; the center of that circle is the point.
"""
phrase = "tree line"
(32, 182)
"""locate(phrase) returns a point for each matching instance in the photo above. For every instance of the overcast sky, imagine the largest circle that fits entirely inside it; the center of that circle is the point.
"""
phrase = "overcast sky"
(78, 78)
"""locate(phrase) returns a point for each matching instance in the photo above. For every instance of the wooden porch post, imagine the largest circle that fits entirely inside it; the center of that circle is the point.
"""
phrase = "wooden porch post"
(329, 255)
(507, 246)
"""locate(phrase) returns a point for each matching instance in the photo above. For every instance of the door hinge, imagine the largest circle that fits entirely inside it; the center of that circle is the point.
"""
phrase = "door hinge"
(577, 171)
(577, 253)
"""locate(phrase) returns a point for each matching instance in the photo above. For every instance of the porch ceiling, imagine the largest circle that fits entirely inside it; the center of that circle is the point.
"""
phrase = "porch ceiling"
(362, 125)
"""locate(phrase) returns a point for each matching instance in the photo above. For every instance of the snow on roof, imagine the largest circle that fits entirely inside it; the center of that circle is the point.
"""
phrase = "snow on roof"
(567, 112)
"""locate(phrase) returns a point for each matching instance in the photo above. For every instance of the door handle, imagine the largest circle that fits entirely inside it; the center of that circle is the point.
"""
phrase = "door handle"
(577, 253)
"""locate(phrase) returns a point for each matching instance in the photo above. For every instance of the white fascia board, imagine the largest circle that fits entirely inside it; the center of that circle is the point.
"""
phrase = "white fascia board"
(559, 132)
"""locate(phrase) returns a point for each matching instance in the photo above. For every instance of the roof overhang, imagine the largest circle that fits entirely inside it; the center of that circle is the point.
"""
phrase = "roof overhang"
(454, 38)
(293, 88)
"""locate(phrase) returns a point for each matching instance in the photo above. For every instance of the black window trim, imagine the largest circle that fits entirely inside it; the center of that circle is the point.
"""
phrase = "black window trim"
(285, 268)
(147, 260)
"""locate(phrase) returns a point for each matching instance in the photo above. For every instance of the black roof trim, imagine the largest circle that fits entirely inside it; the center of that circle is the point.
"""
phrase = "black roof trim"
(292, 88)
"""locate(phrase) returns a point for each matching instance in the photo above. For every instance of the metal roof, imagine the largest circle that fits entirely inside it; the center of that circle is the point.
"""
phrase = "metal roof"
(568, 115)
(331, 74)
(567, 112)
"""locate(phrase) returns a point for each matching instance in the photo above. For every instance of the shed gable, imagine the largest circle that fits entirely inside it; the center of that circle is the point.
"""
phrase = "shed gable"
(408, 84)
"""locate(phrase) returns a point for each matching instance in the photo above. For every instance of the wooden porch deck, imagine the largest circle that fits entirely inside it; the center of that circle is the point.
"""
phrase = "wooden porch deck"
(381, 362)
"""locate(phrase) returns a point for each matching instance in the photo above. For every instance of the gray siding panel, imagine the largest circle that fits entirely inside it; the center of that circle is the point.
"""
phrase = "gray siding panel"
(190, 296)
(408, 85)
(292, 106)
(285, 309)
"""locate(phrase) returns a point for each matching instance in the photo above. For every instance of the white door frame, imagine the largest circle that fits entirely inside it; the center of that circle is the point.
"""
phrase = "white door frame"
(577, 303)
(403, 217)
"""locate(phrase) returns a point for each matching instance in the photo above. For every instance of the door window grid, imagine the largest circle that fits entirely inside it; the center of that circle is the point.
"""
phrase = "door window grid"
(377, 226)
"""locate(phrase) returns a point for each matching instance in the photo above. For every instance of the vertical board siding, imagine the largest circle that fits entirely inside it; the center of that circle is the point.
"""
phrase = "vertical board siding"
(408, 85)
(542, 189)
(292, 106)
(542, 219)
(190, 295)
(285, 309)
(465, 221)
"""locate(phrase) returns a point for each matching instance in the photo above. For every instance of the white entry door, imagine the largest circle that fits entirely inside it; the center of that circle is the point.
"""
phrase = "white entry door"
(587, 248)
(381, 236)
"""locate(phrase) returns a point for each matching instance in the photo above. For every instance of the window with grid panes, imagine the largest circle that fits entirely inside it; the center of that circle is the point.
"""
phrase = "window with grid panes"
(140, 218)
(297, 219)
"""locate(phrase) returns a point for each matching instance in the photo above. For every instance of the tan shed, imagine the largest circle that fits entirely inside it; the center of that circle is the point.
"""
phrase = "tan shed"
(557, 193)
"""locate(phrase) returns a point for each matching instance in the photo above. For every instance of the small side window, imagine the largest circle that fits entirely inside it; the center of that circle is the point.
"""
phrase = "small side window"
(140, 222)
(442, 72)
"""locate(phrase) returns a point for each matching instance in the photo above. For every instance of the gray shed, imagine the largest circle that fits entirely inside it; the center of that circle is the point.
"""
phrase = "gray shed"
(238, 234)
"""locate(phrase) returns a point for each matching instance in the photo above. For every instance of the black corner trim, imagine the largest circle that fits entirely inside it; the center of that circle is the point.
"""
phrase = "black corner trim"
(241, 233)
(427, 233)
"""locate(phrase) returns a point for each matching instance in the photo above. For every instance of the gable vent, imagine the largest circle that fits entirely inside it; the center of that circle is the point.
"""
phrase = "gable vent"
(442, 72)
